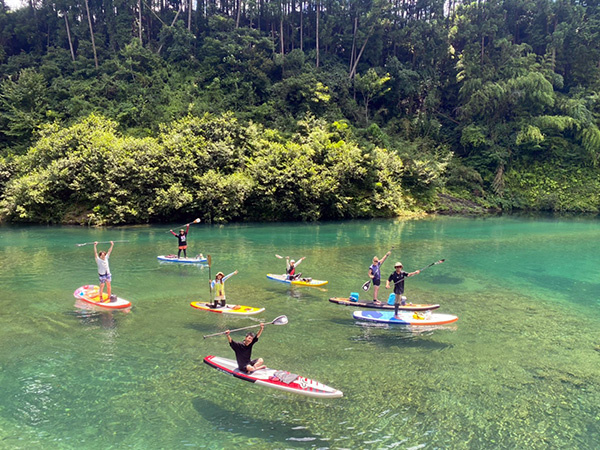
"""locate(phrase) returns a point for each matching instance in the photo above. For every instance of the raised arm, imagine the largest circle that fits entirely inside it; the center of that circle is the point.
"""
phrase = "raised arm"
(384, 257)
(96, 249)
(112, 244)
(262, 327)
(230, 275)
(228, 337)
(300, 260)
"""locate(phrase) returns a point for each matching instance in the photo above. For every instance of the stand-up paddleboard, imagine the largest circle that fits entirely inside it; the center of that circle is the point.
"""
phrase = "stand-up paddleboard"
(175, 259)
(277, 379)
(298, 282)
(90, 294)
(238, 310)
(406, 318)
(407, 307)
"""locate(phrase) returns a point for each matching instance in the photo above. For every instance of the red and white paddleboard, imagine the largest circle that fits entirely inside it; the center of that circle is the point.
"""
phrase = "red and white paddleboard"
(90, 294)
(277, 379)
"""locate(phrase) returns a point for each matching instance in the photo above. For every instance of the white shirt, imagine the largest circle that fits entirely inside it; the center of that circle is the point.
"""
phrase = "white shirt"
(103, 265)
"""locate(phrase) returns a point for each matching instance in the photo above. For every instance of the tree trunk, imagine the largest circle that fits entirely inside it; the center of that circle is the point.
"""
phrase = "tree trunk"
(301, 26)
(353, 52)
(69, 38)
(239, 14)
(362, 49)
(140, 22)
(190, 15)
(281, 47)
(87, 8)
(317, 34)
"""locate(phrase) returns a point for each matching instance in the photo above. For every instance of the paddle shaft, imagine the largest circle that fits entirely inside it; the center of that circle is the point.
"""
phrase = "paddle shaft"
(103, 242)
(185, 224)
(421, 270)
(238, 329)
(209, 259)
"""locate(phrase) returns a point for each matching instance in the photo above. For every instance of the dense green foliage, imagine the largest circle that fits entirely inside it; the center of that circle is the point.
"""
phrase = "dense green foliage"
(132, 111)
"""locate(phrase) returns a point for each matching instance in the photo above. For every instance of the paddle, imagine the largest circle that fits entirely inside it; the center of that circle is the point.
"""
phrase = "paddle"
(433, 264)
(209, 259)
(281, 320)
(104, 242)
(185, 224)
(367, 285)
(426, 267)
(278, 256)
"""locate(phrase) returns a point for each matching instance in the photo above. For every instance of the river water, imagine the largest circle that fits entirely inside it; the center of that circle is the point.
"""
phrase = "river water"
(520, 368)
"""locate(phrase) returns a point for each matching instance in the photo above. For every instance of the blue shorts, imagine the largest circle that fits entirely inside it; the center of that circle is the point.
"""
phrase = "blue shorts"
(104, 278)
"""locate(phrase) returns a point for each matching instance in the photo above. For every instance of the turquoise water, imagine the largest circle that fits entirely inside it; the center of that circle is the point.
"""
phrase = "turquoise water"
(520, 369)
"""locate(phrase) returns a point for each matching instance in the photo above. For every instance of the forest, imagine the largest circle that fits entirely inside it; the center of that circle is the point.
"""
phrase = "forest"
(137, 111)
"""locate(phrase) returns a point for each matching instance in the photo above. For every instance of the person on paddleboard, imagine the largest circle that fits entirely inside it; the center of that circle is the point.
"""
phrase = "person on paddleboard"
(182, 237)
(218, 285)
(398, 276)
(243, 351)
(290, 269)
(104, 275)
(375, 275)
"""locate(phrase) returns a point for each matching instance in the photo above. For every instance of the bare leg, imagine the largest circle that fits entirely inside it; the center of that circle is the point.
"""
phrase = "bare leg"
(100, 299)
(108, 289)
(260, 364)
(375, 292)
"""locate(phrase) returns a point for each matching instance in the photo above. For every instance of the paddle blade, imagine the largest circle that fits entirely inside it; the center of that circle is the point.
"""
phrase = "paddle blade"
(281, 320)
(366, 286)
(197, 220)
(278, 256)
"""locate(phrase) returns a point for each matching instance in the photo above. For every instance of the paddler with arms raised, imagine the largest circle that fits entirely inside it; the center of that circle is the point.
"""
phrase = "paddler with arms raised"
(243, 351)
(104, 276)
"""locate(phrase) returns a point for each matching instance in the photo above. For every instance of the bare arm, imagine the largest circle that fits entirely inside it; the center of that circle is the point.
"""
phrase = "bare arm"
(385, 257)
(228, 337)
(262, 327)
(96, 249)
(229, 276)
(112, 244)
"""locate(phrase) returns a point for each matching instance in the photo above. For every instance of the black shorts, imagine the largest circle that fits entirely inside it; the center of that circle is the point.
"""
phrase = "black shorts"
(376, 282)
(254, 361)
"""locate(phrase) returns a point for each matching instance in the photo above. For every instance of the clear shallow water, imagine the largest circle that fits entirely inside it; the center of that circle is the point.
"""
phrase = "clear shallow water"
(520, 369)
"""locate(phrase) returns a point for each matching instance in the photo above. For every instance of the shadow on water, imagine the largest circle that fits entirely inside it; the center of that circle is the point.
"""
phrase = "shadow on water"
(576, 288)
(251, 427)
(446, 279)
(91, 316)
(393, 335)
